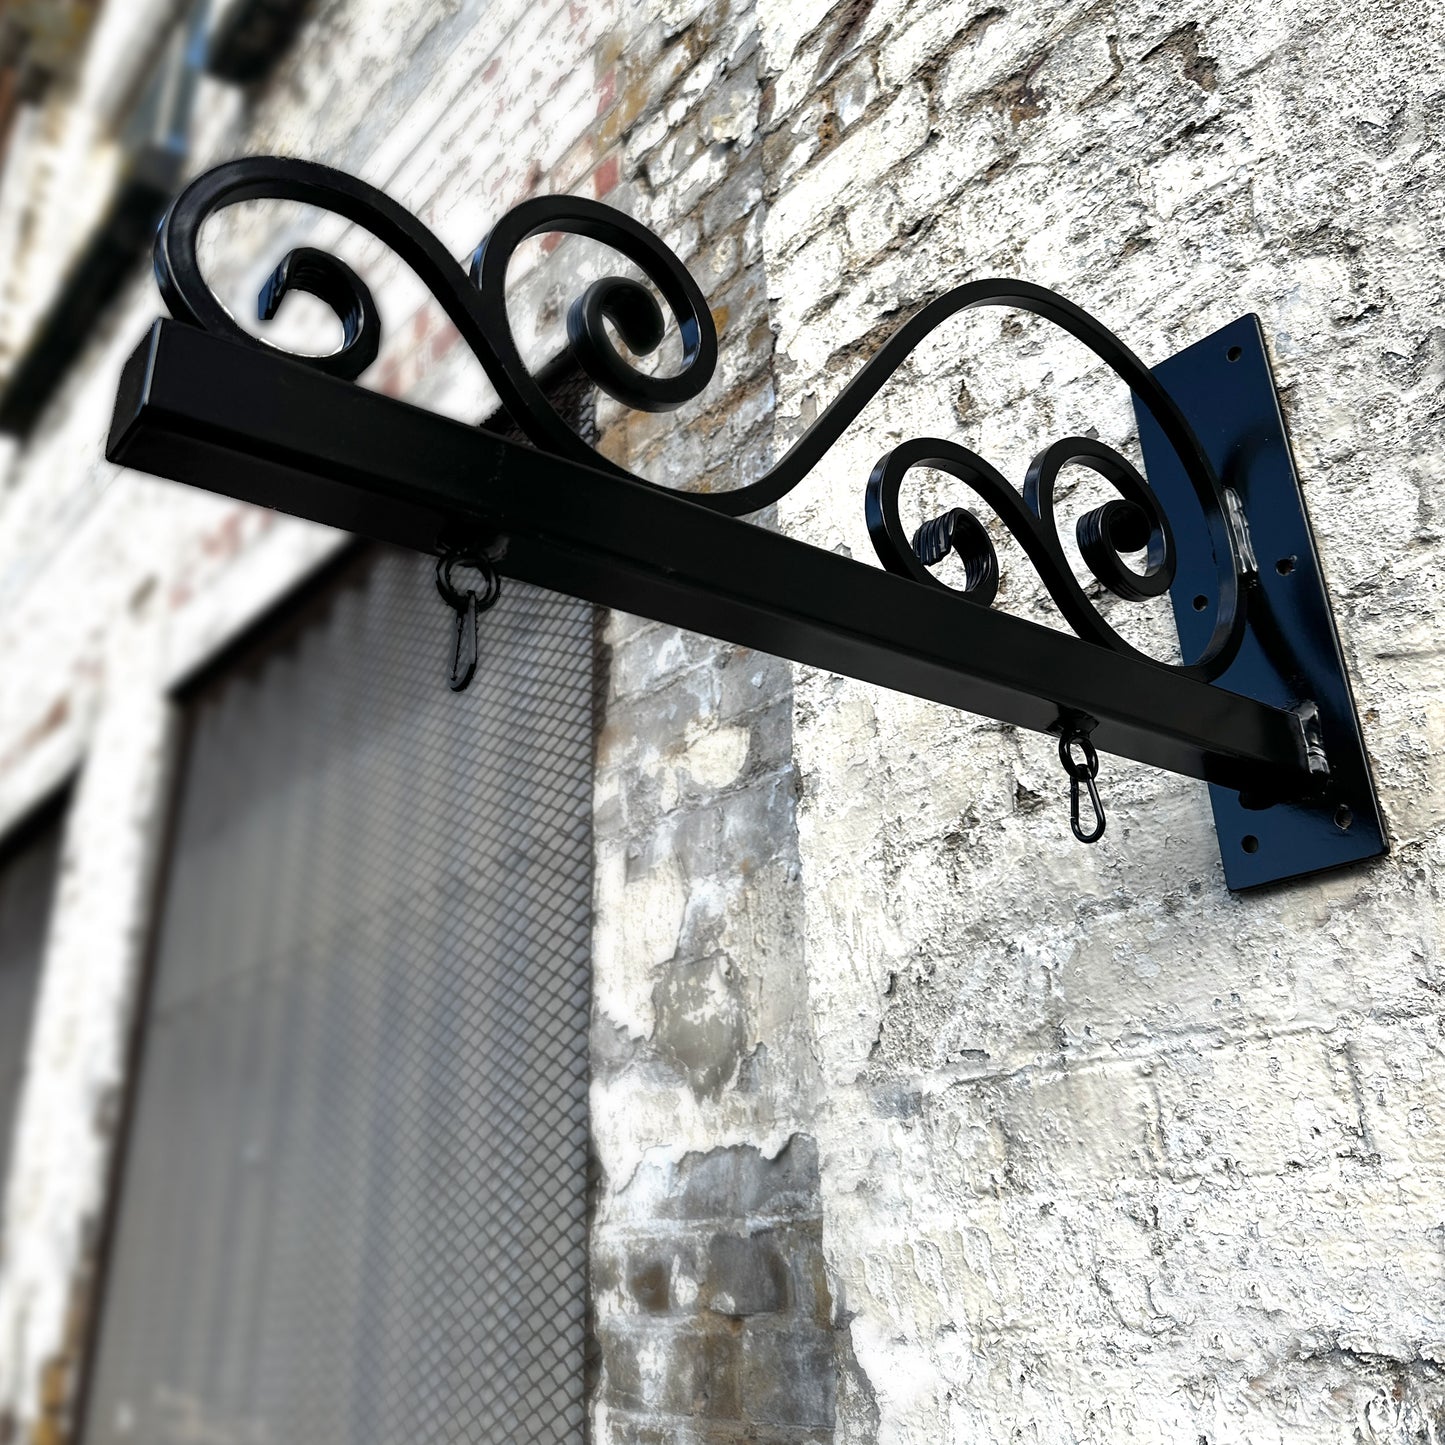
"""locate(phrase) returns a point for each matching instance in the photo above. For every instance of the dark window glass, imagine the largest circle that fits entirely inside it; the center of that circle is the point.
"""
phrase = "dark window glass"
(352, 1207)
(28, 866)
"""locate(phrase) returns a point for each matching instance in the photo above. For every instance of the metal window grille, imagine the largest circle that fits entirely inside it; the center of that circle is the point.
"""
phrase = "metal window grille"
(28, 867)
(353, 1202)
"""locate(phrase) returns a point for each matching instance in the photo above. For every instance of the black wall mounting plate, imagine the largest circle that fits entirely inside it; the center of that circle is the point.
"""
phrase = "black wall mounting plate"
(1291, 653)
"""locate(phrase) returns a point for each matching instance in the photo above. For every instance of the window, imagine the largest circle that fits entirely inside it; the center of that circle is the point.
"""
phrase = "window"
(151, 130)
(29, 862)
(353, 1201)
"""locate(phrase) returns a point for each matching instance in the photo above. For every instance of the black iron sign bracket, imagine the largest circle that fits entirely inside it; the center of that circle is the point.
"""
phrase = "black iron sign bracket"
(1262, 710)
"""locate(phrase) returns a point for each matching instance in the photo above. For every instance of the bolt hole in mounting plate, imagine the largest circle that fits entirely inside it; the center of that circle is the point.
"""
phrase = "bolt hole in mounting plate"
(1291, 653)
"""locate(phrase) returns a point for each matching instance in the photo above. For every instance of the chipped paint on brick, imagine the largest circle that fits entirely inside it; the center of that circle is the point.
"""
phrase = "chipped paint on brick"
(913, 1120)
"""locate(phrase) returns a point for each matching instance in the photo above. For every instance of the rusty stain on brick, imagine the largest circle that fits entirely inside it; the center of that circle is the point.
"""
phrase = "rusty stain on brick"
(630, 105)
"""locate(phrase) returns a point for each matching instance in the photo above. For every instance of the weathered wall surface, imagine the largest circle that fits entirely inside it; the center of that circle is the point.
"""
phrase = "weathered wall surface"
(714, 1317)
(914, 1120)
(1104, 1152)
(1108, 1153)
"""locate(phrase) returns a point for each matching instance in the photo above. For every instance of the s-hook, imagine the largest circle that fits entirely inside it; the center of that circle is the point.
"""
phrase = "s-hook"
(1081, 770)
(468, 604)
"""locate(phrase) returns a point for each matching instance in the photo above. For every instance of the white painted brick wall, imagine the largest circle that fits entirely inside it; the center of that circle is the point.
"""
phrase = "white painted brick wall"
(1108, 1153)
(1099, 1151)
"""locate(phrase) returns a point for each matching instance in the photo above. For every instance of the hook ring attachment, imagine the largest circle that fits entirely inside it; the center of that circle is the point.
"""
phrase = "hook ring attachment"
(469, 604)
(1082, 771)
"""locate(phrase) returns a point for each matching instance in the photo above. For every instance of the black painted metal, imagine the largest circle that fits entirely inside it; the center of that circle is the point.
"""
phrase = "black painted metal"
(468, 603)
(1082, 771)
(1290, 655)
(1031, 521)
(229, 412)
(234, 420)
(477, 306)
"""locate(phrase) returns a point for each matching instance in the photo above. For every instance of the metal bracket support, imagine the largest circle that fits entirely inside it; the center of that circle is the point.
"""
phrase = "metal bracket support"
(1260, 708)
(1290, 656)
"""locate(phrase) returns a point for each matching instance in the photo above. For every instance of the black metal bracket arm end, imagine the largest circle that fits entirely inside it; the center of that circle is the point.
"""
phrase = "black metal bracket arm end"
(1261, 709)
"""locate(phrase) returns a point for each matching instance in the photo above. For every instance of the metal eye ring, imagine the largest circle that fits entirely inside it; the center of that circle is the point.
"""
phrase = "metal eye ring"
(457, 597)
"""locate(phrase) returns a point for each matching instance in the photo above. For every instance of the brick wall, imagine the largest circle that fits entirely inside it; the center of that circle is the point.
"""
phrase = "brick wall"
(913, 1119)
(1108, 1153)
(700, 1062)
(713, 1302)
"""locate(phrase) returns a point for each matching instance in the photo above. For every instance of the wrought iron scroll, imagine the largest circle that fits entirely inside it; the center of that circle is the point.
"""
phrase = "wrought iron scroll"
(475, 302)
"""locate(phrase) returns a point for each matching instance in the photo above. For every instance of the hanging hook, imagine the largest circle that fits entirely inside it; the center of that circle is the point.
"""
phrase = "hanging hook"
(1082, 770)
(468, 604)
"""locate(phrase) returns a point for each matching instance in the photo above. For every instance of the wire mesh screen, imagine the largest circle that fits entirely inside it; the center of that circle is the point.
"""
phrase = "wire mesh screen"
(353, 1203)
(28, 866)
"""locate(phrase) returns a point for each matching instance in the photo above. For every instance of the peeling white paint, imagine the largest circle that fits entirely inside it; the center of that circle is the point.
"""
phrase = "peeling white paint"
(1105, 1153)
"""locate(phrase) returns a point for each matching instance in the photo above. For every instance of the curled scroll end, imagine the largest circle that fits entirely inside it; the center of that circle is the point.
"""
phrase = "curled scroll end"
(332, 281)
(955, 530)
(1115, 528)
(634, 311)
(1133, 521)
(629, 305)
(639, 320)
(960, 531)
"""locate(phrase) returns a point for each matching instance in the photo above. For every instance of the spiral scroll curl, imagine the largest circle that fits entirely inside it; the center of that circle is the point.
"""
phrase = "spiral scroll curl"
(475, 303)
(1135, 522)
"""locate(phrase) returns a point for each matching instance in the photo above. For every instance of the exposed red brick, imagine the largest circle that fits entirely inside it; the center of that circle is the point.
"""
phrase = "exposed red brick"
(606, 91)
(443, 339)
(606, 176)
